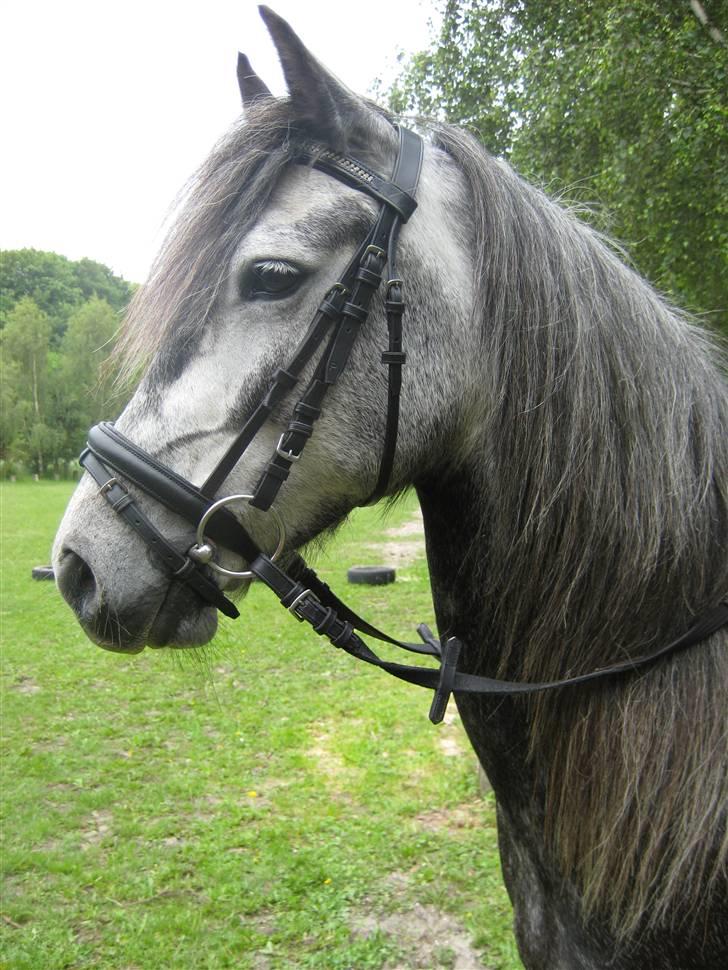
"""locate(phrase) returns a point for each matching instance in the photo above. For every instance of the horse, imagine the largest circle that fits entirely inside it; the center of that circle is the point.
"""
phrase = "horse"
(565, 430)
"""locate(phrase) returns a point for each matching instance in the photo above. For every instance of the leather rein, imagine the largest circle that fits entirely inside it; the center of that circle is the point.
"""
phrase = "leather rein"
(340, 316)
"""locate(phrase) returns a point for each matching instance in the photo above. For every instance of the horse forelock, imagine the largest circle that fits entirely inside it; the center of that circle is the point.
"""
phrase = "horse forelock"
(604, 483)
(218, 205)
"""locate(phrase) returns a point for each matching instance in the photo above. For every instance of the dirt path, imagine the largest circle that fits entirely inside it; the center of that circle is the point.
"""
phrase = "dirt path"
(404, 544)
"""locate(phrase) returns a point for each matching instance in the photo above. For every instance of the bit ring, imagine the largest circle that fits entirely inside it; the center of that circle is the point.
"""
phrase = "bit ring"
(200, 536)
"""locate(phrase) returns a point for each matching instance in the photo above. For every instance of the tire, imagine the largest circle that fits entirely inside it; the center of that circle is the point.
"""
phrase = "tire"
(43, 572)
(371, 575)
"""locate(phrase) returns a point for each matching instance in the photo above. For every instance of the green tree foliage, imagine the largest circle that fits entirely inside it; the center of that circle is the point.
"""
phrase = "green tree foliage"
(88, 393)
(619, 104)
(57, 284)
(59, 319)
(25, 357)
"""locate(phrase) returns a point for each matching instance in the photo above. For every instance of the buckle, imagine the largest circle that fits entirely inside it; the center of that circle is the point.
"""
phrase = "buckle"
(282, 453)
(107, 486)
(303, 595)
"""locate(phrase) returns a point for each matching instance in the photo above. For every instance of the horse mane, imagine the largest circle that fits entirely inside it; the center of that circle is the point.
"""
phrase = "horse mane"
(605, 517)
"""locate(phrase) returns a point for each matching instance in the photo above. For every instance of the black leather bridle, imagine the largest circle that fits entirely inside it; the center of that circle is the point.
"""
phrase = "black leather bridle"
(340, 315)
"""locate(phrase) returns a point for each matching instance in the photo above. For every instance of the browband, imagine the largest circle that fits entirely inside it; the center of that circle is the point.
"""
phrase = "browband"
(397, 192)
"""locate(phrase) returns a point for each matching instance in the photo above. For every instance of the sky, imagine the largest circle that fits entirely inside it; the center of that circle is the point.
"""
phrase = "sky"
(108, 107)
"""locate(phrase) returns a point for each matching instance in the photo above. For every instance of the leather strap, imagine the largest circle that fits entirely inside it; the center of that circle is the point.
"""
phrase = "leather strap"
(307, 578)
(362, 277)
(179, 565)
(398, 193)
(284, 380)
(174, 492)
(447, 679)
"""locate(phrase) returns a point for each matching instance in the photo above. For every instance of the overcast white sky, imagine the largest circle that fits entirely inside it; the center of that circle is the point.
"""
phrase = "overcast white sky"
(109, 106)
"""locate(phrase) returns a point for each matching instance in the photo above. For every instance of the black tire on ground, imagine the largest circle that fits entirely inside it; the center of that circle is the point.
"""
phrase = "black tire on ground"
(371, 575)
(43, 572)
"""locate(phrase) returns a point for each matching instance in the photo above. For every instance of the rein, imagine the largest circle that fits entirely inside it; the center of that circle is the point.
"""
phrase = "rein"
(341, 314)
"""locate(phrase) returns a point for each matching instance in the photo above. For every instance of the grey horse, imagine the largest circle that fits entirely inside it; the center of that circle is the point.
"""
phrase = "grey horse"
(565, 430)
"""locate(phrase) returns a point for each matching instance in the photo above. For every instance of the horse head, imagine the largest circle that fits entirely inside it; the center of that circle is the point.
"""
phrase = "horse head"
(261, 240)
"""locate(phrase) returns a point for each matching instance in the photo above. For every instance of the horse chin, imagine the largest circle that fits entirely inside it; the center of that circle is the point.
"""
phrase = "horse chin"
(184, 621)
(181, 622)
(192, 627)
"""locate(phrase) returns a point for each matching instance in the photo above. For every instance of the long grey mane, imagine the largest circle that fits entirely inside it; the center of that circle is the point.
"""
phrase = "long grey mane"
(605, 518)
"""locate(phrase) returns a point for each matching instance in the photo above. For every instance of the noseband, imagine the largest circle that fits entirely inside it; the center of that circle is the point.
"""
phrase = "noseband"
(341, 314)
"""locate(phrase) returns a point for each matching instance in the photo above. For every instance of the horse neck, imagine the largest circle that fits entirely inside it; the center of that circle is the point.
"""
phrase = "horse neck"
(499, 589)
(457, 551)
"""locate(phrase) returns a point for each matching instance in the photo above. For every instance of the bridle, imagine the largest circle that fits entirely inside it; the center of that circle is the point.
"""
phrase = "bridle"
(340, 316)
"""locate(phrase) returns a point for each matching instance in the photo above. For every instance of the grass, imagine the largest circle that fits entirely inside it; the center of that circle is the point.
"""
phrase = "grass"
(265, 803)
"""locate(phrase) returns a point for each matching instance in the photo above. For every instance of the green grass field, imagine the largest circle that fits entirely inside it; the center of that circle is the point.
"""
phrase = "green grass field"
(265, 803)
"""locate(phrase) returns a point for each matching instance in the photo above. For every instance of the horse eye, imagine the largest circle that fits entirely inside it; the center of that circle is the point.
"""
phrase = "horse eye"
(270, 279)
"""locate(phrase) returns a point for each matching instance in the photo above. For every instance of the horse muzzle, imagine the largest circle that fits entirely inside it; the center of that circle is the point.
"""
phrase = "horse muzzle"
(146, 609)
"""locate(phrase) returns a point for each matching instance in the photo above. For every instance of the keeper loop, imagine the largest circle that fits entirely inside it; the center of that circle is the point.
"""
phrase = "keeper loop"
(357, 312)
(367, 276)
(343, 638)
(278, 471)
(330, 310)
(307, 410)
(449, 663)
(120, 504)
(328, 620)
(300, 427)
(285, 378)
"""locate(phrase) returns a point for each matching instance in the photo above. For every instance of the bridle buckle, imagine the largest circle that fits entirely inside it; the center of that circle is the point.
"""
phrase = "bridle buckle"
(282, 453)
(302, 596)
(108, 485)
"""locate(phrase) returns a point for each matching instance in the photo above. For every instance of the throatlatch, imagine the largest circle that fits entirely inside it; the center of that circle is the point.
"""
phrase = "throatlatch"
(340, 316)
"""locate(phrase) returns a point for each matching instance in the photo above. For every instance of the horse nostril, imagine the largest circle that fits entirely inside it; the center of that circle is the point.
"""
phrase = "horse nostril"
(103, 623)
(77, 583)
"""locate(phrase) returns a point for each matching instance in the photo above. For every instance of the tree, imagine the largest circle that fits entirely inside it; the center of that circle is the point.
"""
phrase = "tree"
(58, 285)
(84, 389)
(25, 351)
(95, 279)
(47, 278)
(59, 319)
(619, 104)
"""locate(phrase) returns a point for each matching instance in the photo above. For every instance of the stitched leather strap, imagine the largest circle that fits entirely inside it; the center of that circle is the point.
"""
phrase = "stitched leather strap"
(447, 679)
(113, 448)
(397, 193)
(179, 565)
(284, 380)
(307, 578)
(362, 278)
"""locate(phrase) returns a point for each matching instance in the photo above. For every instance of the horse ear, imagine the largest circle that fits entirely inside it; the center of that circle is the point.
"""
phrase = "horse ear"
(318, 99)
(251, 86)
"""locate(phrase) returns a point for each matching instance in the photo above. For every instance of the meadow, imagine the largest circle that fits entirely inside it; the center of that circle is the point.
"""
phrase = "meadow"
(264, 803)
